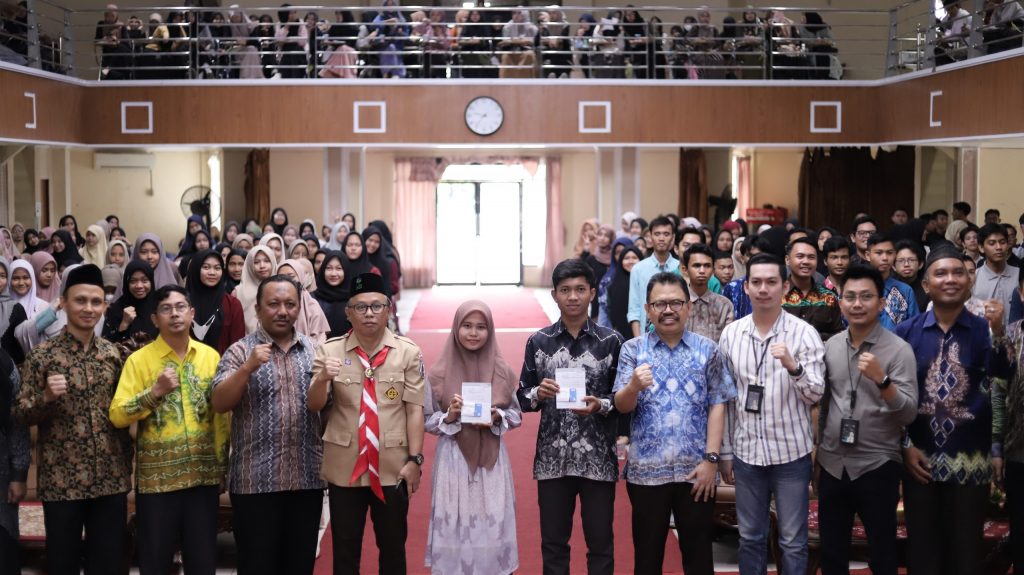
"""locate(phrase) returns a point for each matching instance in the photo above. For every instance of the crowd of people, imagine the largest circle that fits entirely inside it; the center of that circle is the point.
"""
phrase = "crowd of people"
(877, 365)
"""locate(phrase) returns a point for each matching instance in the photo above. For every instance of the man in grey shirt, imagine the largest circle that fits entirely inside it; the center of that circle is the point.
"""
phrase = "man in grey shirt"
(996, 279)
(870, 395)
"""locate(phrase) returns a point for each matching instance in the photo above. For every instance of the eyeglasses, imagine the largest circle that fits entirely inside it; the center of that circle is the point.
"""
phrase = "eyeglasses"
(168, 309)
(906, 261)
(864, 233)
(375, 308)
(674, 305)
(862, 297)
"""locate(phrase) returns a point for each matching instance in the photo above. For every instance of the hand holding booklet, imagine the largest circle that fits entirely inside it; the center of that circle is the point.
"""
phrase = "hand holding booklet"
(572, 388)
(476, 402)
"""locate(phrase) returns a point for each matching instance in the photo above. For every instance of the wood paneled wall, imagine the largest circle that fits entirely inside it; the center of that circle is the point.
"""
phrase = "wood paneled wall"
(968, 102)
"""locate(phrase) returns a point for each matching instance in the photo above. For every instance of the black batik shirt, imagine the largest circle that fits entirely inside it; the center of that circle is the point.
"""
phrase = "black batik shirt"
(569, 445)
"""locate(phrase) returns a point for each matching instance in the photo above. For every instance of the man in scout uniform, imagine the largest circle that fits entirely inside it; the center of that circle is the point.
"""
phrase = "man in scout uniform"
(368, 384)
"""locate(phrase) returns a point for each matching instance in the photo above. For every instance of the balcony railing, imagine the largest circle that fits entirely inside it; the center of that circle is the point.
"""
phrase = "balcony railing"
(652, 42)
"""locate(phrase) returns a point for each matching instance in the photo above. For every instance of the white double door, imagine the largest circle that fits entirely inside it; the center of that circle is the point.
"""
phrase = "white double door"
(479, 233)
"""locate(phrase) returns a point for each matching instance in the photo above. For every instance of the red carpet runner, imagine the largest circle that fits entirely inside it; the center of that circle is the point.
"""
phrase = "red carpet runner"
(512, 309)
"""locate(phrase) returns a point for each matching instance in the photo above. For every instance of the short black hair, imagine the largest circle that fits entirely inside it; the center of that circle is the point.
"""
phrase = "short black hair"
(912, 246)
(1020, 220)
(991, 211)
(834, 244)
(991, 230)
(690, 230)
(277, 278)
(863, 220)
(962, 207)
(722, 256)
(808, 241)
(1009, 229)
(940, 212)
(572, 268)
(810, 233)
(879, 238)
(927, 217)
(701, 249)
(968, 228)
(755, 241)
(165, 292)
(667, 278)
(901, 209)
(860, 271)
(765, 258)
(661, 221)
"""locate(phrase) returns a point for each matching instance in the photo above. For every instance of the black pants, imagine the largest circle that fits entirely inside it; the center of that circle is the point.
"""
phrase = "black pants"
(187, 518)
(9, 561)
(277, 532)
(1014, 484)
(652, 506)
(102, 551)
(945, 527)
(873, 497)
(557, 499)
(348, 519)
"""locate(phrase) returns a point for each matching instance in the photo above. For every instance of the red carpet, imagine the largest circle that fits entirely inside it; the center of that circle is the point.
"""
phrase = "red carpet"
(512, 308)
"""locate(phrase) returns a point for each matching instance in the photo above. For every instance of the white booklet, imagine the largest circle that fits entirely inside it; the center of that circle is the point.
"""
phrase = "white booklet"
(476, 402)
(572, 388)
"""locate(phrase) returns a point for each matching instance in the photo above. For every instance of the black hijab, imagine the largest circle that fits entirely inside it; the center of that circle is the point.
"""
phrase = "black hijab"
(79, 240)
(29, 248)
(360, 265)
(279, 229)
(333, 299)
(207, 301)
(230, 284)
(618, 294)
(69, 255)
(144, 308)
(381, 258)
(187, 257)
(189, 245)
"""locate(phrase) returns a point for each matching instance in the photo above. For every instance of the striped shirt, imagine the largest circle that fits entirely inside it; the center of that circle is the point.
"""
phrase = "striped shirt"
(781, 431)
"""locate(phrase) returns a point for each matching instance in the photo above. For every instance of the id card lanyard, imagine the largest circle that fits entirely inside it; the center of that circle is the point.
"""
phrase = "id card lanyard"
(755, 393)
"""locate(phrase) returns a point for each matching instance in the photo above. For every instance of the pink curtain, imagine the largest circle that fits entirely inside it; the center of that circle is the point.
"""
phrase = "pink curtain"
(415, 202)
(743, 185)
(555, 245)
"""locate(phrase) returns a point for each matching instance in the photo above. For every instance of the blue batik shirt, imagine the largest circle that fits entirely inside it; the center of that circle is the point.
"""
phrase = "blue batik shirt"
(670, 423)
(900, 304)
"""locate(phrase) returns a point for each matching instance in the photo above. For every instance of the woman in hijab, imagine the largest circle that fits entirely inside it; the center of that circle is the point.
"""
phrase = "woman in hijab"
(336, 239)
(18, 235)
(149, 249)
(117, 254)
(130, 317)
(472, 520)
(28, 307)
(201, 242)
(377, 252)
(193, 226)
(230, 231)
(11, 314)
(31, 241)
(307, 228)
(243, 242)
(600, 258)
(311, 321)
(275, 242)
(585, 239)
(62, 246)
(218, 321)
(7, 247)
(618, 292)
(290, 234)
(47, 278)
(279, 220)
(234, 267)
(332, 294)
(298, 250)
(259, 265)
(358, 262)
(605, 280)
(739, 261)
(252, 227)
(95, 249)
(312, 246)
(15, 458)
(70, 224)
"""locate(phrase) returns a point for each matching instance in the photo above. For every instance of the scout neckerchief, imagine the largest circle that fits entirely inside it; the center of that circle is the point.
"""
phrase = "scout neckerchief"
(369, 428)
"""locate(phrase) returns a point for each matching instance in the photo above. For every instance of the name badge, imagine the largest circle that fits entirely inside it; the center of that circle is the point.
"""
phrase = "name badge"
(755, 397)
(848, 431)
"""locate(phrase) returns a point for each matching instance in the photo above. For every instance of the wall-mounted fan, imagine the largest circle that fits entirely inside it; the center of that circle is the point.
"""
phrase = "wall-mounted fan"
(196, 202)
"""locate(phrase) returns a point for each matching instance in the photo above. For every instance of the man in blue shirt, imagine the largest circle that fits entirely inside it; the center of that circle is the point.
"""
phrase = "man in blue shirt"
(900, 303)
(662, 238)
(676, 385)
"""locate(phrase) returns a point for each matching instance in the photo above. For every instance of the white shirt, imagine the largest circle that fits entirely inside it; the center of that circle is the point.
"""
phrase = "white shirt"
(782, 431)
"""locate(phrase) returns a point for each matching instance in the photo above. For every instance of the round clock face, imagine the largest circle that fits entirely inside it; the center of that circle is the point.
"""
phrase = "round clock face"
(484, 116)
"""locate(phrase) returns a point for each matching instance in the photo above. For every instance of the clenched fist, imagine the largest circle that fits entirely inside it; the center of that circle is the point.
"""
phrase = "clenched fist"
(260, 355)
(166, 383)
(56, 386)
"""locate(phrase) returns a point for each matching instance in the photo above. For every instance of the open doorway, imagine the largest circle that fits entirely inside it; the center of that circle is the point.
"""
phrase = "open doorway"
(487, 224)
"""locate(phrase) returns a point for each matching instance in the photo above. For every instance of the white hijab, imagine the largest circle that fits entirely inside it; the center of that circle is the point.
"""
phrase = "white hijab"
(29, 301)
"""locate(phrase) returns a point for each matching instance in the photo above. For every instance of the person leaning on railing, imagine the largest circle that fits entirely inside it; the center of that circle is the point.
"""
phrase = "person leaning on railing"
(1002, 25)
(474, 41)
(634, 32)
(262, 38)
(581, 42)
(516, 46)
(816, 35)
(607, 59)
(553, 39)
(954, 29)
(705, 44)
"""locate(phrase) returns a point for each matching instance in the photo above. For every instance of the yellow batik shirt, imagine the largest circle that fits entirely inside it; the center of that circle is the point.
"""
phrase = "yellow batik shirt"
(181, 441)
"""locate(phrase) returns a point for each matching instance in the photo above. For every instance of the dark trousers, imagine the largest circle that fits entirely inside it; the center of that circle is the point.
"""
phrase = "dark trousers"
(652, 506)
(873, 497)
(277, 532)
(945, 527)
(9, 562)
(557, 499)
(1014, 484)
(348, 519)
(187, 518)
(102, 551)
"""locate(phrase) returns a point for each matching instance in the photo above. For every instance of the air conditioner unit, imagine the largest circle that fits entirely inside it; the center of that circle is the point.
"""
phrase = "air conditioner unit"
(137, 161)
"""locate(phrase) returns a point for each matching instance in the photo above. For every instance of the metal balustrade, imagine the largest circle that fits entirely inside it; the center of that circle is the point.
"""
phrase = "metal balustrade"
(671, 42)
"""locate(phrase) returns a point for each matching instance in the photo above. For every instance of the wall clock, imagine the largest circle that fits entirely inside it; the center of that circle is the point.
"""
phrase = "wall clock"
(484, 116)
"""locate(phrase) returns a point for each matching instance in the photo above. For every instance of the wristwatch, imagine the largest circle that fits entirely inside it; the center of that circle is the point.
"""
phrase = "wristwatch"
(886, 382)
(797, 372)
(417, 459)
(712, 457)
